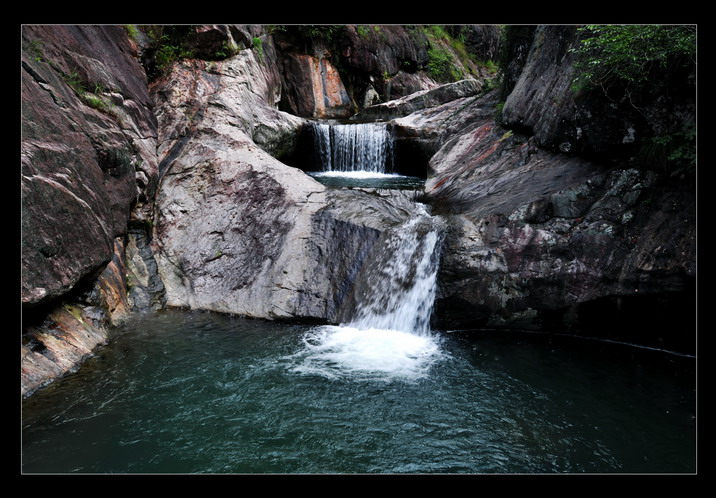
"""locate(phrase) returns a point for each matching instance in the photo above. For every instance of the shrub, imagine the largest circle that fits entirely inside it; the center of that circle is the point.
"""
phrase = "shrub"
(441, 65)
(132, 31)
(632, 55)
(258, 45)
(643, 64)
(168, 44)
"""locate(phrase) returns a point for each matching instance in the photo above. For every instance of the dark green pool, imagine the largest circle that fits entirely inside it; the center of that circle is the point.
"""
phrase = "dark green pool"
(195, 392)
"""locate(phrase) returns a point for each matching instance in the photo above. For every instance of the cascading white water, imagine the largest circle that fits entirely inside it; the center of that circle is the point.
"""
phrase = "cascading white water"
(364, 147)
(401, 287)
(389, 335)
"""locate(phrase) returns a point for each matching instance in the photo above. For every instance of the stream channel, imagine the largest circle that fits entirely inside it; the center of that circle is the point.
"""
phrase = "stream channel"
(198, 392)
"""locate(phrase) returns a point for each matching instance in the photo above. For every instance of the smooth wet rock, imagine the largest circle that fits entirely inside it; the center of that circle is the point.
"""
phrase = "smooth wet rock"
(420, 100)
(58, 345)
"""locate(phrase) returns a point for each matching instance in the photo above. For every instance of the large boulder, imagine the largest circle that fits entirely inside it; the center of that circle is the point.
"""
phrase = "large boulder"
(236, 230)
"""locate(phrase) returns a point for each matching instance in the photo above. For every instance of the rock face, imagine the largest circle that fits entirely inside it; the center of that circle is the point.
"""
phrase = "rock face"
(87, 150)
(347, 235)
(419, 101)
(314, 88)
(58, 341)
(87, 157)
(544, 103)
(547, 241)
(236, 230)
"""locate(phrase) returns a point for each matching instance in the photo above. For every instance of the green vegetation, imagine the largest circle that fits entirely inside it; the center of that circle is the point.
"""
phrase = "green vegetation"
(326, 32)
(643, 63)
(498, 110)
(437, 31)
(670, 151)
(632, 55)
(362, 30)
(227, 50)
(90, 94)
(167, 54)
(35, 48)
(258, 45)
(444, 55)
(490, 66)
(448, 57)
(132, 31)
(441, 64)
(96, 102)
(168, 44)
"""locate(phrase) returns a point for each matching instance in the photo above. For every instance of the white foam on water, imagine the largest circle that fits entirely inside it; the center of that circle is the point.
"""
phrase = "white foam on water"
(388, 337)
(337, 352)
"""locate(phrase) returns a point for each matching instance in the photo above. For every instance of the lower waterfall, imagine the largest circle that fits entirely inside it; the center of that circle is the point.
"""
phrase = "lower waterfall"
(388, 335)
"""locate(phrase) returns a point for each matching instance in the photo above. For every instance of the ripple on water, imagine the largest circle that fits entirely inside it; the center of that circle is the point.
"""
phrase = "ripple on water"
(247, 396)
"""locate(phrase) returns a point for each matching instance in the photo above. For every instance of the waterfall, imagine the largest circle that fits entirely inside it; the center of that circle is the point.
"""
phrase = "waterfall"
(400, 287)
(388, 335)
(366, 147)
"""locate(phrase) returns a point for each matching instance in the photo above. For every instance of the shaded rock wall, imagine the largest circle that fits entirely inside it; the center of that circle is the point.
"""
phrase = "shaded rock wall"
(87, 151)
(57, 340)
(88, 164)
(604, 123)
(361, 65)
(314, 88)
(543, 102)
(543, 240)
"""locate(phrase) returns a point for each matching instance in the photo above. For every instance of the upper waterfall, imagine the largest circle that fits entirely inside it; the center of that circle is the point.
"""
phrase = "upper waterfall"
(354, 147)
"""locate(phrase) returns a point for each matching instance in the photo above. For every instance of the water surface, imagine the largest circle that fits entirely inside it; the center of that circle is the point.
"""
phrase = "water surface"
(196, 392)
(339, 179)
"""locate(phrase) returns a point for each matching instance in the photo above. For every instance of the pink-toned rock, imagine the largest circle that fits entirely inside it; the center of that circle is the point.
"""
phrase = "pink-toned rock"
(58, 345)
(87, 138)
(314, 88)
